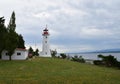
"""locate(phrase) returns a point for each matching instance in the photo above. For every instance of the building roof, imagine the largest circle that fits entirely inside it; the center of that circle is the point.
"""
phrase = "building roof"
(22, 49)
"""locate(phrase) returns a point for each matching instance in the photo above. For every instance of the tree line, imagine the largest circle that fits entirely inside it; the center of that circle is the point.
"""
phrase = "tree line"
(9, 38)
(35, 52)
(32, 53)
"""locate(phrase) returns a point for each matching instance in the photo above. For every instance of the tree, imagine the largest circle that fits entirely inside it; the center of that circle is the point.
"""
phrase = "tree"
(12, 25)
(21, 42)
(12, 38)
(3, 32)
(30, 52)
(63, 55)
(36, 53)
(53, 53)
(11, 43)
(9, 39)
(109, 60)
(78, 59)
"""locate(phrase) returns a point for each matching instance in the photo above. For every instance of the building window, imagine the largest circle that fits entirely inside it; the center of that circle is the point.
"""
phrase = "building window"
(45, 41)
(6, 54)
(46, 36)
(46, 53)
(18, 53)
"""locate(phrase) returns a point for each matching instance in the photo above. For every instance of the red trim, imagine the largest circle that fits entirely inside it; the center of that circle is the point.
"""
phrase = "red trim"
(45, 32)
(21, 49)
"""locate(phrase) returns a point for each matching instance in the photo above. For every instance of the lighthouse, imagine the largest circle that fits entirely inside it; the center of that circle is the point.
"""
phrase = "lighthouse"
(45, 44)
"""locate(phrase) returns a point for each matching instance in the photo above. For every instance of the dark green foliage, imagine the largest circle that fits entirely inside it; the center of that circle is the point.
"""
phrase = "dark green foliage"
(21, 42)
(9, 39)
(53, 53)
(98, 62)
(11, 42)
(30, 52)
(12, 38)
(12, 25)
(100, 56)
(63, 55)
(118, 65)
(108, 61)
(36, 53)
(3, 32)
(78, 59)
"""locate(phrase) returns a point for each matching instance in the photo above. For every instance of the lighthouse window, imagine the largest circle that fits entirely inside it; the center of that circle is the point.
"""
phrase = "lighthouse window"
(46, 36)
(45, 41)
(46, 53)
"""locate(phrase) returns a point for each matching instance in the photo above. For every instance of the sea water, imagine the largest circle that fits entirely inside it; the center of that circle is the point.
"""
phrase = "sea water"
(94, 56)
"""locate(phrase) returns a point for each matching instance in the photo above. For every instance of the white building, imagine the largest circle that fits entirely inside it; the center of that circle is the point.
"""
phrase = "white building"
(45, 44)
(19, 54)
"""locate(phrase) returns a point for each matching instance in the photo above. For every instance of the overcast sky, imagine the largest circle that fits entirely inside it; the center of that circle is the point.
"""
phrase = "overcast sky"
(74, 25)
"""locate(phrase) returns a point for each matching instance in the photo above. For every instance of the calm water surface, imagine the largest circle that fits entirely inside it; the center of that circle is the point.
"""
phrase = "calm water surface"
(94, 56)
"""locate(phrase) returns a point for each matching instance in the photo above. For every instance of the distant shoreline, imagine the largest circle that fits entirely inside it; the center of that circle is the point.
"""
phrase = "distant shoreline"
(91, 52)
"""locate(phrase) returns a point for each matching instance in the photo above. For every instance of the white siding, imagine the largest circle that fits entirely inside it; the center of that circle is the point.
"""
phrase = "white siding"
(22, 56)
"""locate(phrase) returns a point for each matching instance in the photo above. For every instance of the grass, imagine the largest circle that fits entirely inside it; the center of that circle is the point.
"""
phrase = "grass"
(55, 71)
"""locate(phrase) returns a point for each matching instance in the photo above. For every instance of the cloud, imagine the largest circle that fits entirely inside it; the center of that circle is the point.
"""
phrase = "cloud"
(42, 15)
(74, 26)
(94, 32)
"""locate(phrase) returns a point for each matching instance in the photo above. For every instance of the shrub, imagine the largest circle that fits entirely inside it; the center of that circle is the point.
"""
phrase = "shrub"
(80, 59)
(108, 61)
(98, 62)
(63, 55)
(54, 53)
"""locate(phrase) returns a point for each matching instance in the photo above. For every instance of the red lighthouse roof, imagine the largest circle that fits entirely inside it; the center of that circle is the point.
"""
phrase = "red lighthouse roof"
(45, 31)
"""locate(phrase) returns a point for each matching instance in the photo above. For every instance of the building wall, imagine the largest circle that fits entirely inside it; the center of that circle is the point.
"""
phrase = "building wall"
(18, 55)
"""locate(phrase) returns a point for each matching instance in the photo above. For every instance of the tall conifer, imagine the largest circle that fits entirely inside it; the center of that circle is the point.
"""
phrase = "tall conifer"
(21, 42)
(3, 33)
(12, 39)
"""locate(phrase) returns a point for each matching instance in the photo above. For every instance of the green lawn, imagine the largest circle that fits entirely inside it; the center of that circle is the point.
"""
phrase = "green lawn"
(55, 71)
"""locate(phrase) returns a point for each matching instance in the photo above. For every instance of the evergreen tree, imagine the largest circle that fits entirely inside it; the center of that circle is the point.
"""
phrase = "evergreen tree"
(21, 42)
(36, 52)
(3, 32)
(30, 50)
(12, 25)
(63, 55)
(53, 53)
(12, 38)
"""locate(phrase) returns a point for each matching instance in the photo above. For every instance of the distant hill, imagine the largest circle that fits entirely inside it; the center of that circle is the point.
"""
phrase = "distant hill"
(100, 51)
(107, 51)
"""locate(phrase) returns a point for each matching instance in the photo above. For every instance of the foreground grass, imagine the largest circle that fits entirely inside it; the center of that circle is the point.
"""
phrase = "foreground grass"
(55, 71)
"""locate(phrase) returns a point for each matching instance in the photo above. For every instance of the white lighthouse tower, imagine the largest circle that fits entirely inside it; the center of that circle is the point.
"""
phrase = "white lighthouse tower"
(45, 46)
